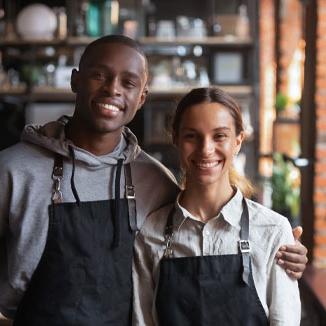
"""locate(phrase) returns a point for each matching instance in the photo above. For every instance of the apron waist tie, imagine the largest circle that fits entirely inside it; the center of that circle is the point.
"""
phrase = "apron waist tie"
(116, 215)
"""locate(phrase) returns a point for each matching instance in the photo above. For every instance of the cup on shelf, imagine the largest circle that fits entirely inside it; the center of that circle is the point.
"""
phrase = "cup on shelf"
(165, 29)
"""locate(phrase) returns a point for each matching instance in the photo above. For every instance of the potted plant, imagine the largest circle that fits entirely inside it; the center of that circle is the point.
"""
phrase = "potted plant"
(281, 102)
(286, 188)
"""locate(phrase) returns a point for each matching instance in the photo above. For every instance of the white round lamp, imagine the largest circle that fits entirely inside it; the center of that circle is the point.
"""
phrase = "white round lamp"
(36, 22)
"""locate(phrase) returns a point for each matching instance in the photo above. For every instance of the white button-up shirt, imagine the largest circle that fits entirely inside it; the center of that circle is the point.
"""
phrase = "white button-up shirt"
(268, 230)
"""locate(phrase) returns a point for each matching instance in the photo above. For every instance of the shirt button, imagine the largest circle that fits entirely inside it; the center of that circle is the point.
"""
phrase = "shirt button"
(207, 232)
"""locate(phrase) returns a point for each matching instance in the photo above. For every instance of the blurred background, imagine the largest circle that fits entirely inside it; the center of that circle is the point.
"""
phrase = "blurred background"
(269, 54)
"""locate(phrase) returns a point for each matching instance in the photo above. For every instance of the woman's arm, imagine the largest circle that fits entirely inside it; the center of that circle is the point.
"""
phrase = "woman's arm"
(293, 258)
(143, 284)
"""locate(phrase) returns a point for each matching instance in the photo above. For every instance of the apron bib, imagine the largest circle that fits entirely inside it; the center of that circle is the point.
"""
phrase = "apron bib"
(209, 290)
(84, 275)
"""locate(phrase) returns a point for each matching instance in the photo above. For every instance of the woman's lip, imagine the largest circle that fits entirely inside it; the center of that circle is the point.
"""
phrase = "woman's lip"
(207, 164)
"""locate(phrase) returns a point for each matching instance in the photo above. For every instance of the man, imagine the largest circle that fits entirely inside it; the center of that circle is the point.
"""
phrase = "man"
(74, 192)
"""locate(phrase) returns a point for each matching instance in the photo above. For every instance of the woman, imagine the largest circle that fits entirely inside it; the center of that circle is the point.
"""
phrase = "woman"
(208, 259)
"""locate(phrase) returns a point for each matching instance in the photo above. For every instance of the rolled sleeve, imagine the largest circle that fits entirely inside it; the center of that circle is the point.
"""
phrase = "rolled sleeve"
(284, 298)
(143, 284)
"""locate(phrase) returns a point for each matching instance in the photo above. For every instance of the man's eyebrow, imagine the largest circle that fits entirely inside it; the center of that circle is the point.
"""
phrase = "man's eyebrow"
(94, 66)
(106, 68)
(131, 74)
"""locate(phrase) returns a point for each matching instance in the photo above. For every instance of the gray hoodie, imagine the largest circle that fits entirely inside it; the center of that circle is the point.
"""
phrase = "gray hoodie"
(26, 189)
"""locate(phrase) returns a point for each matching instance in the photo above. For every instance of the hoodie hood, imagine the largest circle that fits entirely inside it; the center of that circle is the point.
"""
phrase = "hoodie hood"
(52, 137)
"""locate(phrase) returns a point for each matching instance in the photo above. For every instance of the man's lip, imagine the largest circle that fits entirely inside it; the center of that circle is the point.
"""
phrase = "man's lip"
(108, 107)
(107, 103)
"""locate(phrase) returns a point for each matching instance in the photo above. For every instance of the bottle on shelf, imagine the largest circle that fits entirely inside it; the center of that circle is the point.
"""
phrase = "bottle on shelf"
(242, 28)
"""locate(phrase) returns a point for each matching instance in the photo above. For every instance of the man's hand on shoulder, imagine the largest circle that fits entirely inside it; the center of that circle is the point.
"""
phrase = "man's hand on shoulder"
(293, 258)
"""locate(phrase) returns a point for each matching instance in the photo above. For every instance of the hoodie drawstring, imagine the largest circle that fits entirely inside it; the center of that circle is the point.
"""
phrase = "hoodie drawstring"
(116, 215)
(72, 181)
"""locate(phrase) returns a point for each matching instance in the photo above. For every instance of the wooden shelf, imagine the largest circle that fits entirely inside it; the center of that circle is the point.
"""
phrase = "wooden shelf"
(287, 120)
(240, 90)
(214, 41)
(45, 93)
(84, 40)
(20, 90)
(73, 41)
(24, 42)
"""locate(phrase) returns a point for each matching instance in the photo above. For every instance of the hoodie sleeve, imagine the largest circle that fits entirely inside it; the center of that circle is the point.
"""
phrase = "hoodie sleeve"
(8, 296)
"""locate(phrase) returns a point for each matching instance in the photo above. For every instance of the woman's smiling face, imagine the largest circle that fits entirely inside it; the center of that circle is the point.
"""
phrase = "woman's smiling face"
(207, 142)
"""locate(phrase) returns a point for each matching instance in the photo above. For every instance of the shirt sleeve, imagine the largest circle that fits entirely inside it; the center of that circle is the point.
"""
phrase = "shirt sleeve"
(283, 292)
(143, 284)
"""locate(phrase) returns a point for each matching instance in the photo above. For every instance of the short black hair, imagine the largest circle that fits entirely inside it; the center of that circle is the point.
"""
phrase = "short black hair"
(120, 39)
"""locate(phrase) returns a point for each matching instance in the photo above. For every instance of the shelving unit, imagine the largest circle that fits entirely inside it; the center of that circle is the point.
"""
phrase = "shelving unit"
(187, 55)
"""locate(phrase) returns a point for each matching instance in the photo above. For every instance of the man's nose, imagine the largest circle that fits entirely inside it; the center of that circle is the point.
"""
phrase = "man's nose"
(112, 86)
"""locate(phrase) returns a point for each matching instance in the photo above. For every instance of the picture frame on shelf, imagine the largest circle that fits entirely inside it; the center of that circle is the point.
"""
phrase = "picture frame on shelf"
(228, 68)
(158, 119)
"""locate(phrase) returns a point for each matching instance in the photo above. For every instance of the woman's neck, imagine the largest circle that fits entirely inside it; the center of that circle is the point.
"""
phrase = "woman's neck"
(205, 202)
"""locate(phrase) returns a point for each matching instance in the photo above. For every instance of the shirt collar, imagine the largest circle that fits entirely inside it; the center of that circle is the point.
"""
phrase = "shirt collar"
(231, 212)
(184, 211)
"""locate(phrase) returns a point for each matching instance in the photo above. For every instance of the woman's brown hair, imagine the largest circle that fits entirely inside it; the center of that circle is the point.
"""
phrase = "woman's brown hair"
(214, 95)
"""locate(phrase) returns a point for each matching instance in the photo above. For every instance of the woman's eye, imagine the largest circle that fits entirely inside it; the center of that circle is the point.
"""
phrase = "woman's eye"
(130, 83)
(220, 137)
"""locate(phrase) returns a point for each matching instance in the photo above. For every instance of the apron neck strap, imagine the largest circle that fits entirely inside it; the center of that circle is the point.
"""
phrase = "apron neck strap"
(131, 196)
(57, 175)
(244, 244)
(168, 234)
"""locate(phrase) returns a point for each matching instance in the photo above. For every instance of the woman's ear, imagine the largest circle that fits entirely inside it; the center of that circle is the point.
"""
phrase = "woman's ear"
(239, 140)
(74, 80)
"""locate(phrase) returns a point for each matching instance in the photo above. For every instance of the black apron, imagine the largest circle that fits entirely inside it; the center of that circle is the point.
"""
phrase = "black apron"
(84, 275)
(208, 290)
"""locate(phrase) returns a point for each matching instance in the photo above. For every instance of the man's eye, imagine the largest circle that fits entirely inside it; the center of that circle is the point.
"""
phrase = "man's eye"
(97, 75)
(189, 136)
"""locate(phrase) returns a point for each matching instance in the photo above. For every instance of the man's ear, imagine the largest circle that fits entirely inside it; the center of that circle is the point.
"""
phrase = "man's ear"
(174, 139)
(143, 96)
(74, 80)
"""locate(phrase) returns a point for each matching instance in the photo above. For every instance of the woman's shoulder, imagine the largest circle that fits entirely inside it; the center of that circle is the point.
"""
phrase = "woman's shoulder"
(268, 228)
(262, 215)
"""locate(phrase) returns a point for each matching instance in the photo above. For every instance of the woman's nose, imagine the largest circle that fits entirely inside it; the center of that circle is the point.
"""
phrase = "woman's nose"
(207, 146)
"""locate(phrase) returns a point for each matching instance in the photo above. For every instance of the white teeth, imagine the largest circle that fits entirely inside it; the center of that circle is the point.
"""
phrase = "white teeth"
(109, 107)
(207, 164)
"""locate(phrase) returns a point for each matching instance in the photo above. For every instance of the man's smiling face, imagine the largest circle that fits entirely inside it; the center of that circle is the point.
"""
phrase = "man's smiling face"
(110, 87)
